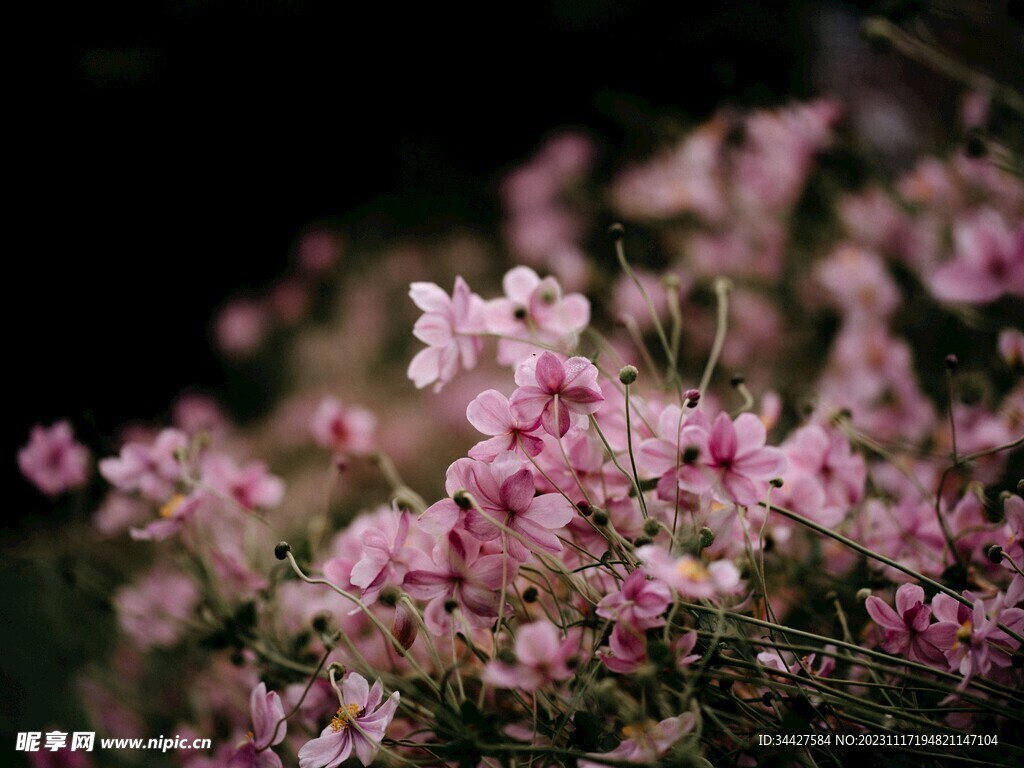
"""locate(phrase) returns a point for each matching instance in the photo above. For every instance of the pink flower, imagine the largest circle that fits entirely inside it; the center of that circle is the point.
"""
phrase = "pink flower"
(678, 454)
(267, 712)
(460, 577)
(988, 261)
(343, 429)
(240, 327)
(250, 486)
(640, 602)
(908, 629)
(450, 327)
(386, 558)
(645, 742)
(152, 470)
(826, 454)
(542, 657)
(535, 311)
(688, 575)
(556, 394)
(154, 610)
(972, 641)
(52, 461)
(491, 414)
(740, 459)
(505, 491)
(1011, 347)
(358, 726)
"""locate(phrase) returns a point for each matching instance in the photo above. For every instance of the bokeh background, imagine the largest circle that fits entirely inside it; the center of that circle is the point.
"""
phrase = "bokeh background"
(167, 155)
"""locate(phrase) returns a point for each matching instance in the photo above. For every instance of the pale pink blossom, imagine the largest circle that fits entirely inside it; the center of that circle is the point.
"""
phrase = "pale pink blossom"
(556, 394)
(1011, 347)
(240, 327)
(858, 283)
(319, 251)
(356, 729)
(451, 327)
(646, 741)
(53, 461)
(534, 312)
(542, 656)
(343, 429)
(386, 558)
(154, 611)
(977, 643)
(678, 454)
(491, 414)
(640, 603)
(152, 470)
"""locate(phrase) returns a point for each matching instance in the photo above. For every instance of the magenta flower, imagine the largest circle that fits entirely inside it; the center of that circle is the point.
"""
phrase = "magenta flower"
(267, 712)
(556, 394)
(385, 557)
(970, 637)
(504, 490)
(647, 741)
(491, 414)
(678, 454)
(450, 327)
(826, 454)
(739, 458)
(357, 727)
(343, 429)
(52, 460)
(152, 470)
(908, 629)
(640, 603)
(460, 577)
(542, 657)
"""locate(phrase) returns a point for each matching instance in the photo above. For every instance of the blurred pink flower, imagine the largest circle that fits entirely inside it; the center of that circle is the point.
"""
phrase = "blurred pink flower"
(542, 656)
(240, 327)
(343, 429)
(357, 727)
(688, 575)
(739, 459)
(268, 729)
(53, 461)
(988, 261)
(154, 610)
(152, 470)
(640, 602)
(250, 486)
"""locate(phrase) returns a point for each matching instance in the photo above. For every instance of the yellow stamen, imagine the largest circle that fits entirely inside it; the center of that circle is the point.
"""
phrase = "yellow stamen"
(964, 633)
(637, 729)
(168, 509)
(344, 716)
(692, 569)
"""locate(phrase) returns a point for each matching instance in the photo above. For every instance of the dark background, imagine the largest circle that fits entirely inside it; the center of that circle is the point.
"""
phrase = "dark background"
(167, 154)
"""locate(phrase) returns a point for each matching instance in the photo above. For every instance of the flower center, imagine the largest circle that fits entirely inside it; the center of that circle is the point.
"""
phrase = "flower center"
(637, 729)
(964, 633)
(692, 570)
(344, 716)
(168, 509)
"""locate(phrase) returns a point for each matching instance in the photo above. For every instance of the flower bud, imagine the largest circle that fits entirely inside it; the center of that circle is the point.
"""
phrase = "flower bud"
(616, 232)
(863, 594)
(389, 595)
(282, 549)
(600, 517)
(462, 499)
(995, 553)
(692, 397)
(628, 374)
(450, 606)
(651, 527)
(707, 537)
(952, 361)
(585, 509)
(530, 595)
(403, 626)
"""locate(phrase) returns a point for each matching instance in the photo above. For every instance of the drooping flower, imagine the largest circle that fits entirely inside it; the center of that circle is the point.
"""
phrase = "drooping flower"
(52, 460)
(542, 657)
(554, 394)
(451, 327)
(357, 727)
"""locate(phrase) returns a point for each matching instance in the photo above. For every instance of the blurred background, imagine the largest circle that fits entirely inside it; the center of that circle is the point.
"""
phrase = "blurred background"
(168, 155)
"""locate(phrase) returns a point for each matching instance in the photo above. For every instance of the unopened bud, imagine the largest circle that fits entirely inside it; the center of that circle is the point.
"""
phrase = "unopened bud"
(651, 527)
(775, 482)
(628, 374)
(585, 509)
(706, 537)
(403, 626)
(600, 517)
(1020, 487)
(337, 668)
(320, 622)
(952, 362)
(642, 541)
(462, 499)
(692, 397)
(737, 381)
(995, 553)
(690, 454)
(389, 595)
(863, 594)
(506, 656)
(282, 549)
(450, 606)
(616, 232)
(530, 595)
